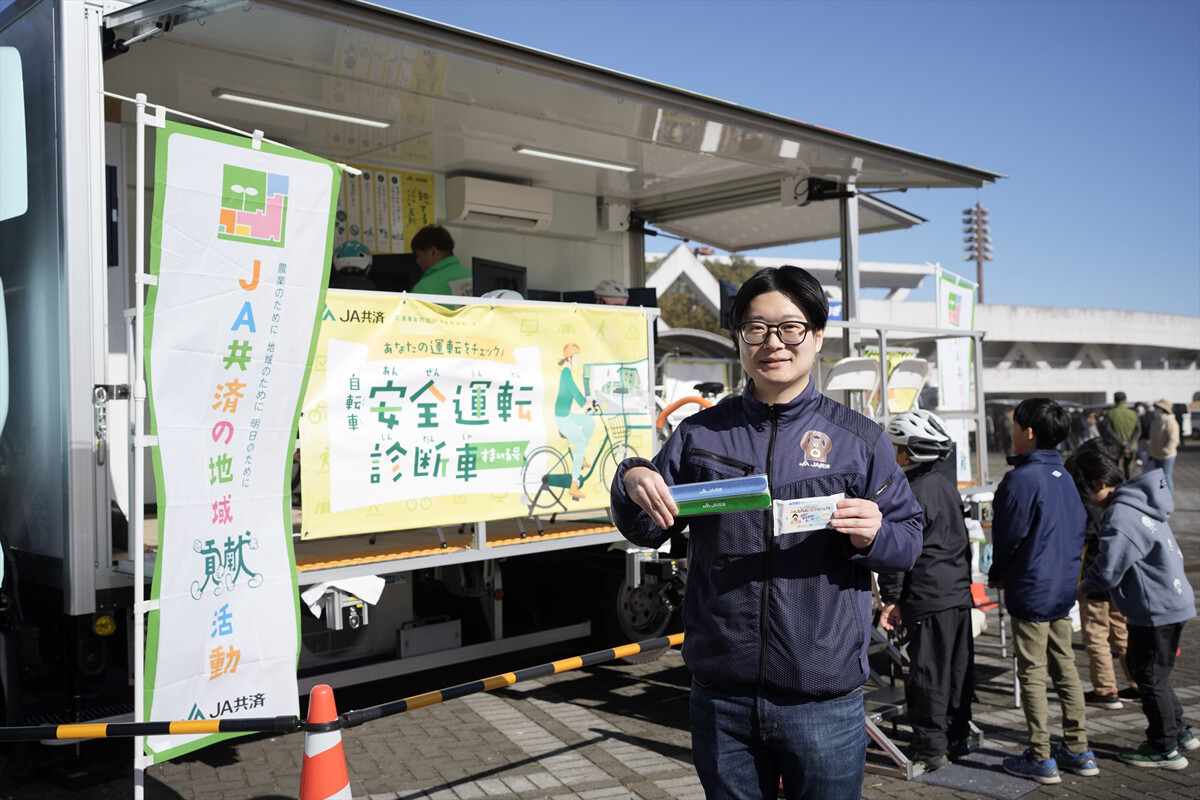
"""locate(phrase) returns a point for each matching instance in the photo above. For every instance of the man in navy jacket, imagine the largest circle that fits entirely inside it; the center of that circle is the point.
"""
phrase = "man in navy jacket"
(1037, 539)
(777, 624)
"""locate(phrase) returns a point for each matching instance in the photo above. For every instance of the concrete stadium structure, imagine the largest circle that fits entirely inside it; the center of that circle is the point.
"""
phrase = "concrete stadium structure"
(1083, 355)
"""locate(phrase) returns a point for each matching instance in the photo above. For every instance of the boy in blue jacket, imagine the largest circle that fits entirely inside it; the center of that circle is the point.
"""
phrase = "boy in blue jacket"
(1140, 564)
(1037, 540)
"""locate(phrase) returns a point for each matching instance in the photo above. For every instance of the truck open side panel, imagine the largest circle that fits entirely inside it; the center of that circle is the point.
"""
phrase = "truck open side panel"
(543, 168)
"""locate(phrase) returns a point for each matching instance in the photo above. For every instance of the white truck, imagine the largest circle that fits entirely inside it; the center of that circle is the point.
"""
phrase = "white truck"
(550, 166)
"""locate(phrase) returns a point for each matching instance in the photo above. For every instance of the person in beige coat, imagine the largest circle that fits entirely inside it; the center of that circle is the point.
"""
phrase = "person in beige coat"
(1164, 442)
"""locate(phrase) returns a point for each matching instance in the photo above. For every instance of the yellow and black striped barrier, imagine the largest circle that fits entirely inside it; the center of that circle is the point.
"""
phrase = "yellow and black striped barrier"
(112, 730)
(353, 718)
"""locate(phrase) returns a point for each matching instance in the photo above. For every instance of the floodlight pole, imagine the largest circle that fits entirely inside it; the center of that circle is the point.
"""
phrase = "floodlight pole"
(977, 240)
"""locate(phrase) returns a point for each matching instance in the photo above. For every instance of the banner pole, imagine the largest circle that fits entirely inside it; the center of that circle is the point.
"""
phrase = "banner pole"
(137, 452)
(937, 300)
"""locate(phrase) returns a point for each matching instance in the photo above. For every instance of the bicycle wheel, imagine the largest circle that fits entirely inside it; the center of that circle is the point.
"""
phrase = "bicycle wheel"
(535, 477)
(612, 459)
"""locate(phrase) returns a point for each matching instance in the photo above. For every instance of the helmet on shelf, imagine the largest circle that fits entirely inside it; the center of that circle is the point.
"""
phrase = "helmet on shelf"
(504, 294)
(610, 288)
(351, 255)
(922, 433)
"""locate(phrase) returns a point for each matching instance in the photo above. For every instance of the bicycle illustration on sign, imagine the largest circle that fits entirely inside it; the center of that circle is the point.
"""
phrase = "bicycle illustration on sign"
(551, 472)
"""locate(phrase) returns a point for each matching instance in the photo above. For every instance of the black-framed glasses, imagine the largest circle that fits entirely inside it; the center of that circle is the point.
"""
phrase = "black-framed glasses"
(788, 332)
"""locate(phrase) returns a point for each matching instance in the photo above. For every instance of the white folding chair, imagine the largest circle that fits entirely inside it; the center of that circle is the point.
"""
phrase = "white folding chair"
(854, 374)
(905, 382)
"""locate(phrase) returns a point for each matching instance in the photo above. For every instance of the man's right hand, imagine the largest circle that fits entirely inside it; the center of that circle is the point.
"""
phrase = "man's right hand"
(647, 488)
(889, 617)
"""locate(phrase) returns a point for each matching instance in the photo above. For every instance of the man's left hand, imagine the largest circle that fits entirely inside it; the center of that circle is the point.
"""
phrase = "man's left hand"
(857, 518)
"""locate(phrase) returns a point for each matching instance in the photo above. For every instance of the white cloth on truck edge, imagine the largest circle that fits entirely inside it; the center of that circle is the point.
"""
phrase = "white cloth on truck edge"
(366, 588)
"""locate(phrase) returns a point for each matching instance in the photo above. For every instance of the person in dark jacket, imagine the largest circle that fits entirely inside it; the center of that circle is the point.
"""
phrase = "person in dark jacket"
(1140, 563)
(933, 599)
(1038, 528)
(352, 267)
(777, 623)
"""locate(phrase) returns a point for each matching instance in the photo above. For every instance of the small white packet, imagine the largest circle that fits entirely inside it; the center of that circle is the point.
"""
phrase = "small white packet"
(804, 514)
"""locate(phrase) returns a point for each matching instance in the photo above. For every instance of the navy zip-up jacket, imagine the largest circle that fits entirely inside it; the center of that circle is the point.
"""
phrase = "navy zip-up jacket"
(941, 578)
(791, 612)
(1038, 528)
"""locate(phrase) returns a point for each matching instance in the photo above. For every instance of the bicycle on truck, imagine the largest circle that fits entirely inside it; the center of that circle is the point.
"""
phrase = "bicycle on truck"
(546, 475)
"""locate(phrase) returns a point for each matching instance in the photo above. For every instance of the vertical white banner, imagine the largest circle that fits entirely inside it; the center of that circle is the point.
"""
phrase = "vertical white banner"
(240, 244)
(956, 309)
(956, 372)
(959, 430)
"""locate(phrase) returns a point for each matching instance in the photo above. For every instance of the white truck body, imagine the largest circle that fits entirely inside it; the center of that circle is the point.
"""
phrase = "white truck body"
(465, 108)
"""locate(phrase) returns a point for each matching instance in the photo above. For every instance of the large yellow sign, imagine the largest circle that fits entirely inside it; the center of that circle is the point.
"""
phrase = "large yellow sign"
(417, 415)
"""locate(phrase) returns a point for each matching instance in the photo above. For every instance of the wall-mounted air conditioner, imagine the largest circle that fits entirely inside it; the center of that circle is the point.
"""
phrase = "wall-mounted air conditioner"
(492, 204)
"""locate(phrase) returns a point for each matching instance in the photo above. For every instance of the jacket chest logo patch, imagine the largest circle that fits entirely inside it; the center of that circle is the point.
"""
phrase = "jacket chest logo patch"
(816, 446)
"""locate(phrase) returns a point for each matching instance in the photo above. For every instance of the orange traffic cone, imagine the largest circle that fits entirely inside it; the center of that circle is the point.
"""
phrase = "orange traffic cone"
(323, 774)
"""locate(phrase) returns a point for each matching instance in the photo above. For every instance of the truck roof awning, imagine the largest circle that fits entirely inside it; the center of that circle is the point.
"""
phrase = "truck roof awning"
(460, 103)
(766, 223)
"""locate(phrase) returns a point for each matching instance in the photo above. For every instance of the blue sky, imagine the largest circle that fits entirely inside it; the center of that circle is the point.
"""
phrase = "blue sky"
(1091, 108)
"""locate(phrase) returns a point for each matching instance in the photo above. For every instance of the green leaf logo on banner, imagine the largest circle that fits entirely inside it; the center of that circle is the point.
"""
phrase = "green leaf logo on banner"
(253, 206)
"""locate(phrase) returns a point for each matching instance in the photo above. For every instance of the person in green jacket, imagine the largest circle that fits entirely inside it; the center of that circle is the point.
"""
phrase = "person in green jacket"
(441, 271)
(1125, 426)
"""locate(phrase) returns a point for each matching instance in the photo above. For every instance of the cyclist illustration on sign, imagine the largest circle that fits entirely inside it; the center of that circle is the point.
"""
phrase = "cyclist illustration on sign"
(577, 428)
(549, 473)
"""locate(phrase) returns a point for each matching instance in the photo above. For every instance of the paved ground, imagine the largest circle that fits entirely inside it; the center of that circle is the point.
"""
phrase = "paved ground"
(616, 730)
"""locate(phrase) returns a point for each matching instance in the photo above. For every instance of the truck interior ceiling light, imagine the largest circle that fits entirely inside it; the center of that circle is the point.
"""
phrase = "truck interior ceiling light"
(266, 102)
(587, 162)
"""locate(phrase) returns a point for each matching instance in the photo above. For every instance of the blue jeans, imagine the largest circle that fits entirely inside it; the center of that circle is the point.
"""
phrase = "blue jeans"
(743, 741)
(1167, 465)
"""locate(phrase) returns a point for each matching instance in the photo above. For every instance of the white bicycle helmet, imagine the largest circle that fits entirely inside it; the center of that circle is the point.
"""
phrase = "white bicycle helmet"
(504, 294)
(351, 255)
(922, 433)
(610, 288)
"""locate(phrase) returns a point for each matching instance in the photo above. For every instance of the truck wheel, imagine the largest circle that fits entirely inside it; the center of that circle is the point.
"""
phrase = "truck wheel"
(634, 615)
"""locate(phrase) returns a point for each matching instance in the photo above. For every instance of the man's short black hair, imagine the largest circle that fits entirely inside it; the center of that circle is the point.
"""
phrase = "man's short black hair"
(1092, 470)
(433, 236)
(1119, 397)
(797, 284)
(1050, 421)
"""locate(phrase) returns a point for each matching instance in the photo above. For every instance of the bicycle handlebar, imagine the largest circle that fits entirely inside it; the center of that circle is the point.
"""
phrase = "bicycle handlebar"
(666, 412)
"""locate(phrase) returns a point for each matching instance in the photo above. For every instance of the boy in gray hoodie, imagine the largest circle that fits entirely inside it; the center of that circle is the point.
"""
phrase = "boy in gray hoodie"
(1140, 564)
